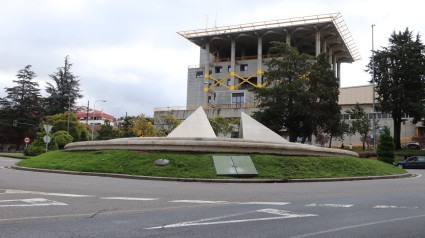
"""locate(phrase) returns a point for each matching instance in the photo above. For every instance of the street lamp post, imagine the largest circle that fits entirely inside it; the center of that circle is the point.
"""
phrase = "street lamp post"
(94, 111)
(373, 86)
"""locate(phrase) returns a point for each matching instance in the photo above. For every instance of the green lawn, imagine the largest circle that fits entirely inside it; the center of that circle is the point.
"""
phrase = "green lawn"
(198, 165)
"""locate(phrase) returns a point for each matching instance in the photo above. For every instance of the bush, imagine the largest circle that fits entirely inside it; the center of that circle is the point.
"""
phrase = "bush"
(386, 147)
(34, 150)
(61, 137)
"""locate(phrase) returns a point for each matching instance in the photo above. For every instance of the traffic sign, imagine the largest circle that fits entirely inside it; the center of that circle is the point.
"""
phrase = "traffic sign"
(46, 139)
(27, 140)
(47, 128)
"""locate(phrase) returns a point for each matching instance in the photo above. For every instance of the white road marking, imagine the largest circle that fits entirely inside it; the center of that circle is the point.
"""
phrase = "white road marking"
(389, 206)
(30, 202)
(200, 201)
(329, 205)
(356, 226)
(129, 199)
(265, 203)
(9, 191)
(281, 215)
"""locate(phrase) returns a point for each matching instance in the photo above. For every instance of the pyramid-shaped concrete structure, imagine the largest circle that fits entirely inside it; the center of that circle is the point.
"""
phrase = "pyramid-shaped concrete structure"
(253, 130)
(196, 125)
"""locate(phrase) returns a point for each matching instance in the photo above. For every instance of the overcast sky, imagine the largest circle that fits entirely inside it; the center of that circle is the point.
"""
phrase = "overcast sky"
(127, 52)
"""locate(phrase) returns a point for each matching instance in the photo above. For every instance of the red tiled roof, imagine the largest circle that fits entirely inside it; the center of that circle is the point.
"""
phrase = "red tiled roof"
(96, 114)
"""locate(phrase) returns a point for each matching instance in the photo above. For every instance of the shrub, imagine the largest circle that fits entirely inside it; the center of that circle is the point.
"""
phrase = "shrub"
(386, 147)
(61, 137)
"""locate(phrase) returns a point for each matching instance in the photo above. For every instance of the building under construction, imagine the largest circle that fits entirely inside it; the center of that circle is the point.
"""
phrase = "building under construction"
(232, 59)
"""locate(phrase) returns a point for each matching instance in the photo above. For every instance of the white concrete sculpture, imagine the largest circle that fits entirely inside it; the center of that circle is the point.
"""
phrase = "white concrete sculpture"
(253, 130)
(196, 125)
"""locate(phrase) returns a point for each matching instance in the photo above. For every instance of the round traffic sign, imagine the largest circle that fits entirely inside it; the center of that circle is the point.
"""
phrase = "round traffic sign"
(27, 140)
(46, 139)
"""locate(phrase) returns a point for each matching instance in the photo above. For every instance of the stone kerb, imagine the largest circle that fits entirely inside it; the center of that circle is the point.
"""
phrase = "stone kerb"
(208, 145)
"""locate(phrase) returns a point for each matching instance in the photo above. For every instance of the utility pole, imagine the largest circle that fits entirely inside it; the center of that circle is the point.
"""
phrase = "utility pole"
(88, 106)
(373, 86)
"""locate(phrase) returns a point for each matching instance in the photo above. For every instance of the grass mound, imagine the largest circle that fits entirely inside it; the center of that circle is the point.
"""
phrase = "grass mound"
(198, 165)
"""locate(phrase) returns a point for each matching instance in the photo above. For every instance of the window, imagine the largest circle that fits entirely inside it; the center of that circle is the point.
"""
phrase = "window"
(218, 69)
(238, 99)
(209, 99)
(244, 67)
(215, 96)
(229, 69)
(199, 74)
(229, 81)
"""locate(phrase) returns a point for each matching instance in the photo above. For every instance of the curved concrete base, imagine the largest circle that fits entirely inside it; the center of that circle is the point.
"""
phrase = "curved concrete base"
(213, 145)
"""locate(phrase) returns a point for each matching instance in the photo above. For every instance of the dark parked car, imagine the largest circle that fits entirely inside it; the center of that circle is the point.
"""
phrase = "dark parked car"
(412, 162)
(411, 146)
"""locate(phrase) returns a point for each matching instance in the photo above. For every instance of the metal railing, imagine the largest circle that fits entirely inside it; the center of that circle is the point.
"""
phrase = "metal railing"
(206, 107)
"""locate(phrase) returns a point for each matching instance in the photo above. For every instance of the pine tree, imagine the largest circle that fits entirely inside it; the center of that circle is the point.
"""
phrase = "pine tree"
(385, 150)
(286, 101)
(65, 91)
(325, 110)
(400, 81)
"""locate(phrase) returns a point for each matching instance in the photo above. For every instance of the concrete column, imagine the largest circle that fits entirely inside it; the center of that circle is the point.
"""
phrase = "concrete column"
(207, 72)
(325, 42)
(338, 72)
(317, 42)
(288, 37)
(259, 60)
(334, 63)
(331, 52)
(232, 63)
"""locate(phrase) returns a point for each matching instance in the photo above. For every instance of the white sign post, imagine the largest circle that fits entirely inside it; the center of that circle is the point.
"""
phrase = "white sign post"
(46, 138)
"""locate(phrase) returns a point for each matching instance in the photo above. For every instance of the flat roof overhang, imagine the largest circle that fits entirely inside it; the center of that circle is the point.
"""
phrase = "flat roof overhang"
(302, 32)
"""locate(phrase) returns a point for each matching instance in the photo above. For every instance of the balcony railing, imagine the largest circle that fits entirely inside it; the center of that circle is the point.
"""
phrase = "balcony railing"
(206, 107)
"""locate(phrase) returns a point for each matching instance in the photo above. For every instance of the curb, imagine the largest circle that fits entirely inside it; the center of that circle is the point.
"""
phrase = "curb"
(140, 177)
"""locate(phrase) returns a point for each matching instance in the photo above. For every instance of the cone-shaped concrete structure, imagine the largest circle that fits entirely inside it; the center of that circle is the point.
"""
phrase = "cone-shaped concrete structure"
(195, 126)
(253, 130)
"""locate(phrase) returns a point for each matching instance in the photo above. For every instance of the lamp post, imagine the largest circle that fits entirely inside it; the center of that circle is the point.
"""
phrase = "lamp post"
(373, 86)
(69, 111)
(94, 111)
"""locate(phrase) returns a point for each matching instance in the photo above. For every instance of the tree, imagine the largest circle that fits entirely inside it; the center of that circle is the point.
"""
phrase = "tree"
(325, 109)
(360, 123)
(23, 103)
(399, 77)
(166, 123)
(106, 131)
(221, 125)
(65, 91)
(61, 138)
(386, 146)
(286, 102)
(127, 127)
(60, 123)
(143, 126)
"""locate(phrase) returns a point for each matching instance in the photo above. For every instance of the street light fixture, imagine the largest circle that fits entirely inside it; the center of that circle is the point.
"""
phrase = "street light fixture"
(94, 111)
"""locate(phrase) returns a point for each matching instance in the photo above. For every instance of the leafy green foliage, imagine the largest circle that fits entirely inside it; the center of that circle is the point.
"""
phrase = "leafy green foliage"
(301, 96)
(106, 131)
(385, 150)
(360, 123)
(142, 126)
(221, 125)
(61, 138)
(65, 91)
(22, 106)
(166, 123)
(399, 77)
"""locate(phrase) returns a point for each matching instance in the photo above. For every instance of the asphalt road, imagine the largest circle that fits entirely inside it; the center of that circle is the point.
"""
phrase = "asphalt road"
(35, 204)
